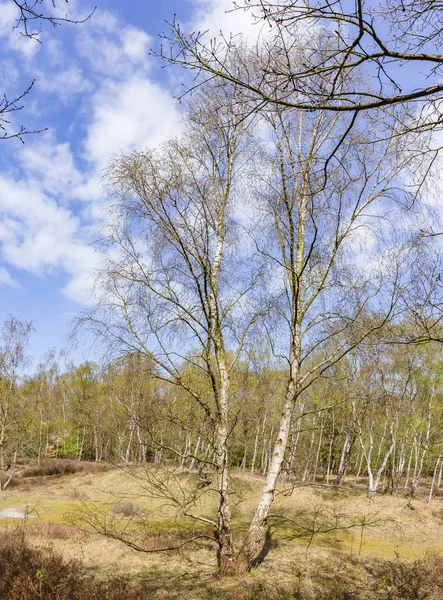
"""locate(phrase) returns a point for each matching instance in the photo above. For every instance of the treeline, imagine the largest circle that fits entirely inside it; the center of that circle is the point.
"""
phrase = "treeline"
(377, 414)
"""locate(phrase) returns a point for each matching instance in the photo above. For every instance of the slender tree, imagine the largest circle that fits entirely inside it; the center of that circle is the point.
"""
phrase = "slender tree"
(177, 285)
(14, 338)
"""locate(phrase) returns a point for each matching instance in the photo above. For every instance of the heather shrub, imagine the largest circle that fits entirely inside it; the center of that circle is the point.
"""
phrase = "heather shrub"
(29, 573)
(418, 580)
(57, 467)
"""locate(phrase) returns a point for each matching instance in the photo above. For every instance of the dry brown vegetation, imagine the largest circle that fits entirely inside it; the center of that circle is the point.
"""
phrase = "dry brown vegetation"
(30, 472)
(36, 573)
(59, 467)
(390, 553)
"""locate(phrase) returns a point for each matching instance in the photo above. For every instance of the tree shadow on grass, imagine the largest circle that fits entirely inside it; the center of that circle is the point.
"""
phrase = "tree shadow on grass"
(269, 544)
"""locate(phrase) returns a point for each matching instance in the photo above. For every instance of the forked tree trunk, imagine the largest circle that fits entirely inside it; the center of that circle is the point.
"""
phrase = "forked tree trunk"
(255, 538)
(374, 479)
(382, 467)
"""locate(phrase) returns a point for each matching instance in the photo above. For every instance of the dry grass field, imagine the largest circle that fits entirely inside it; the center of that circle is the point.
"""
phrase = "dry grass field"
(323, 543)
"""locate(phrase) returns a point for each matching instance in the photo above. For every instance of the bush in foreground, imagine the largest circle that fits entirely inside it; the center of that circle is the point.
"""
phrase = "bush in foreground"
(28, 573)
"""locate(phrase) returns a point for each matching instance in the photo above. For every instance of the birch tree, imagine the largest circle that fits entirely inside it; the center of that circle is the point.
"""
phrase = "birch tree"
(177, 286)
(186, 253)
(370, 42)
(13, 359)
(312, 210)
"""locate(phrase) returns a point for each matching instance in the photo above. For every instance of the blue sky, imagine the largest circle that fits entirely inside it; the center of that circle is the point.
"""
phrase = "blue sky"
(98, 92)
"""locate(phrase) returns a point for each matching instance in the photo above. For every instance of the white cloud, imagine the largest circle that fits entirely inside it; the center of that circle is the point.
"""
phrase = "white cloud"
(36, 229)
(128, 115)
(81, 264)
(111, 49)
(8, 16)
(219, 15)
(6, 279)
(43, 227)
(54, 52)
(65, 84)
(9, 73)
(90, 190)
(12, 36)
(40, 236)
(52, 164)
(135, 44)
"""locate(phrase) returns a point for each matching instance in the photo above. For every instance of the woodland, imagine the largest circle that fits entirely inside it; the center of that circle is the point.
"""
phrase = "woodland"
(269, 300)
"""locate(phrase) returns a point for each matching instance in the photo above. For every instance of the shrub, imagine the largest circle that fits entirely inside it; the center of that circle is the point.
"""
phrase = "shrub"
(53, 468)
(57, 467)
(127, 509)
(68, 448)
(30, 574)
(419, 580)
(34, 574)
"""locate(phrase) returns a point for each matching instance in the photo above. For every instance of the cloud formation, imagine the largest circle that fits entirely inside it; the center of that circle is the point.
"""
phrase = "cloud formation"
(50, 194)
(108, 99)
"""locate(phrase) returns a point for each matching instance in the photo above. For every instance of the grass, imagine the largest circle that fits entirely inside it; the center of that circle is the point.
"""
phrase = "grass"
(32, 573)
(305, 555)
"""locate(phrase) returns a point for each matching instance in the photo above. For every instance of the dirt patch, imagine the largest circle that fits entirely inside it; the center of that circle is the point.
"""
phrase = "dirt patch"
(14, 513)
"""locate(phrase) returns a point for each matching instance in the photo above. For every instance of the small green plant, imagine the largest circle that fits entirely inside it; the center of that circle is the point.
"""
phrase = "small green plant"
(39, 576)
